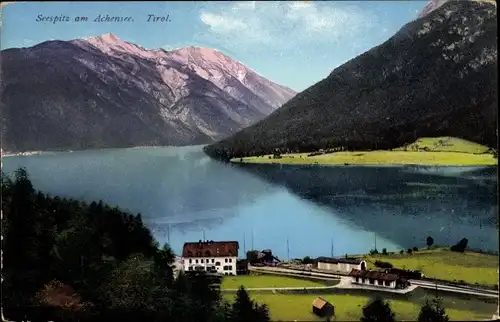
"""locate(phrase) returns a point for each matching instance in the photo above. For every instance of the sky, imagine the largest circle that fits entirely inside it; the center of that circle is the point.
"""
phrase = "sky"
(293, 43)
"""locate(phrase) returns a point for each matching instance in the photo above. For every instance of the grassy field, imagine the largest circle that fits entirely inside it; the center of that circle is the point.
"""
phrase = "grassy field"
(445, 144)
(348, 306)
(267, 280)
(440, 151)
(471, 267)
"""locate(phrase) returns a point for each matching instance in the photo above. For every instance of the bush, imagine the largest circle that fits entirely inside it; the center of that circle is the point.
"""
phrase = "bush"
(433, 311)
(307, 260)
(373, 251)
(409, 251)
(252, 256)
(460, 246)
(383, 264)
(401, 251)
(384, 251)
(415, 249)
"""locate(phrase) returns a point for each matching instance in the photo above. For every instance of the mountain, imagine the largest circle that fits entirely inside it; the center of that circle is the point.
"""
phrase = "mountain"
(102, 92)
(437, 76)
(434, 4)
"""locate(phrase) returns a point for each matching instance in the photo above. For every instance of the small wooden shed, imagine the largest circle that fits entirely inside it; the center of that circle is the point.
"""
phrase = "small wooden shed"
(323, 308)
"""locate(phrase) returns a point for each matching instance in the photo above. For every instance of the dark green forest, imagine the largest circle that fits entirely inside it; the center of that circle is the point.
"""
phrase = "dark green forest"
(67, 260)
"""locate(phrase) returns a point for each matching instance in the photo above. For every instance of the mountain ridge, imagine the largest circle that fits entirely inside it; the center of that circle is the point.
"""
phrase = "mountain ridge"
(160, 97)
(435, 77)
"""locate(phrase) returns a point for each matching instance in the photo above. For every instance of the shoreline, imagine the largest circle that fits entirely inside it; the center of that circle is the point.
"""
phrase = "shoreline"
(370, 165)
(27, 153)
(377, 159)
(41, 152)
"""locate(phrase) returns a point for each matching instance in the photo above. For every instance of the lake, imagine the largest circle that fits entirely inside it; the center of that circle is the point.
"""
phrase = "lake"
(293, 210)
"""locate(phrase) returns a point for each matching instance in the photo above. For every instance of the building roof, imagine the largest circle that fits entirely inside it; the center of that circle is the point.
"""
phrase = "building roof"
(320, 302)
(374, 275)
(332, 260)
(210, 249)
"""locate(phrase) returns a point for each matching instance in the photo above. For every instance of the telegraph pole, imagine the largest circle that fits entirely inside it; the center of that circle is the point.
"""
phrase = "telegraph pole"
(287, 248)
(244, 244)
(252, 240)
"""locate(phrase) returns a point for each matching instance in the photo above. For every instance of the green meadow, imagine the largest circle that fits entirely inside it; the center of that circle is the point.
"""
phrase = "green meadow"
(269, 280)
(348, 305)
(469, 267)
(424, 151)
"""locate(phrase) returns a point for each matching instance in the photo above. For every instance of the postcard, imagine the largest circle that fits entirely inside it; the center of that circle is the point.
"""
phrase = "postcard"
(249, 161)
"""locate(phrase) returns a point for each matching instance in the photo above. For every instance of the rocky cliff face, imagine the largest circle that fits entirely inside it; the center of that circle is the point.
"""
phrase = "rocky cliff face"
(103, 92)
(436, 77)
(435, 4)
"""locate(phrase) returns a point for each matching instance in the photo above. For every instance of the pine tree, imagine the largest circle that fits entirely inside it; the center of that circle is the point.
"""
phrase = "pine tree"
(378, 311)
(21, 235)
(246, 310)
(242, 306)
(430, 241)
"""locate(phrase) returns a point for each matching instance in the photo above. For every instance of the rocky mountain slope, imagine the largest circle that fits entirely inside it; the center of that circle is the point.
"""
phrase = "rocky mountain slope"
(437, 76)
(103, 92)
(434, 4)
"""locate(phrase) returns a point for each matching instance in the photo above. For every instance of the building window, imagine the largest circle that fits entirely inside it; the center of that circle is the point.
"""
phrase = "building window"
(387, 283)
(357, 279)
(225, 260)
(201, 260)
(217, 264)
(372, 281)
(213, 260)
(230, 260)
(190, 268)
(363, 280)
(190, 261)
(380, 282)
(196, 261)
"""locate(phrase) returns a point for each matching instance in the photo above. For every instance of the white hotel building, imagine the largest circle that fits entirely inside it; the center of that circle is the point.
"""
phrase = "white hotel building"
(217, 257)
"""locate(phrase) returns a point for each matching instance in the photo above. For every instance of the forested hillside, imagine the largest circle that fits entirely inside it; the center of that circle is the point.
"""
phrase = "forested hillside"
(65, 260)
(437, 76)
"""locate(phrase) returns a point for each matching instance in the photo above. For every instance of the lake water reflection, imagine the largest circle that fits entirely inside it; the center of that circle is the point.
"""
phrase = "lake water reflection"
(183, 196)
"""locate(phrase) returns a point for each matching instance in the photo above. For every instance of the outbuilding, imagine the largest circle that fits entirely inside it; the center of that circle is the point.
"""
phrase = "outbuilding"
(340, 265)
(323, 308)
(241, 267)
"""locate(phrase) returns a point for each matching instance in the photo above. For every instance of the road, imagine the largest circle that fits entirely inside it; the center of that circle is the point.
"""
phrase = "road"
(282, 288)
(455, 289)
(345, 282)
